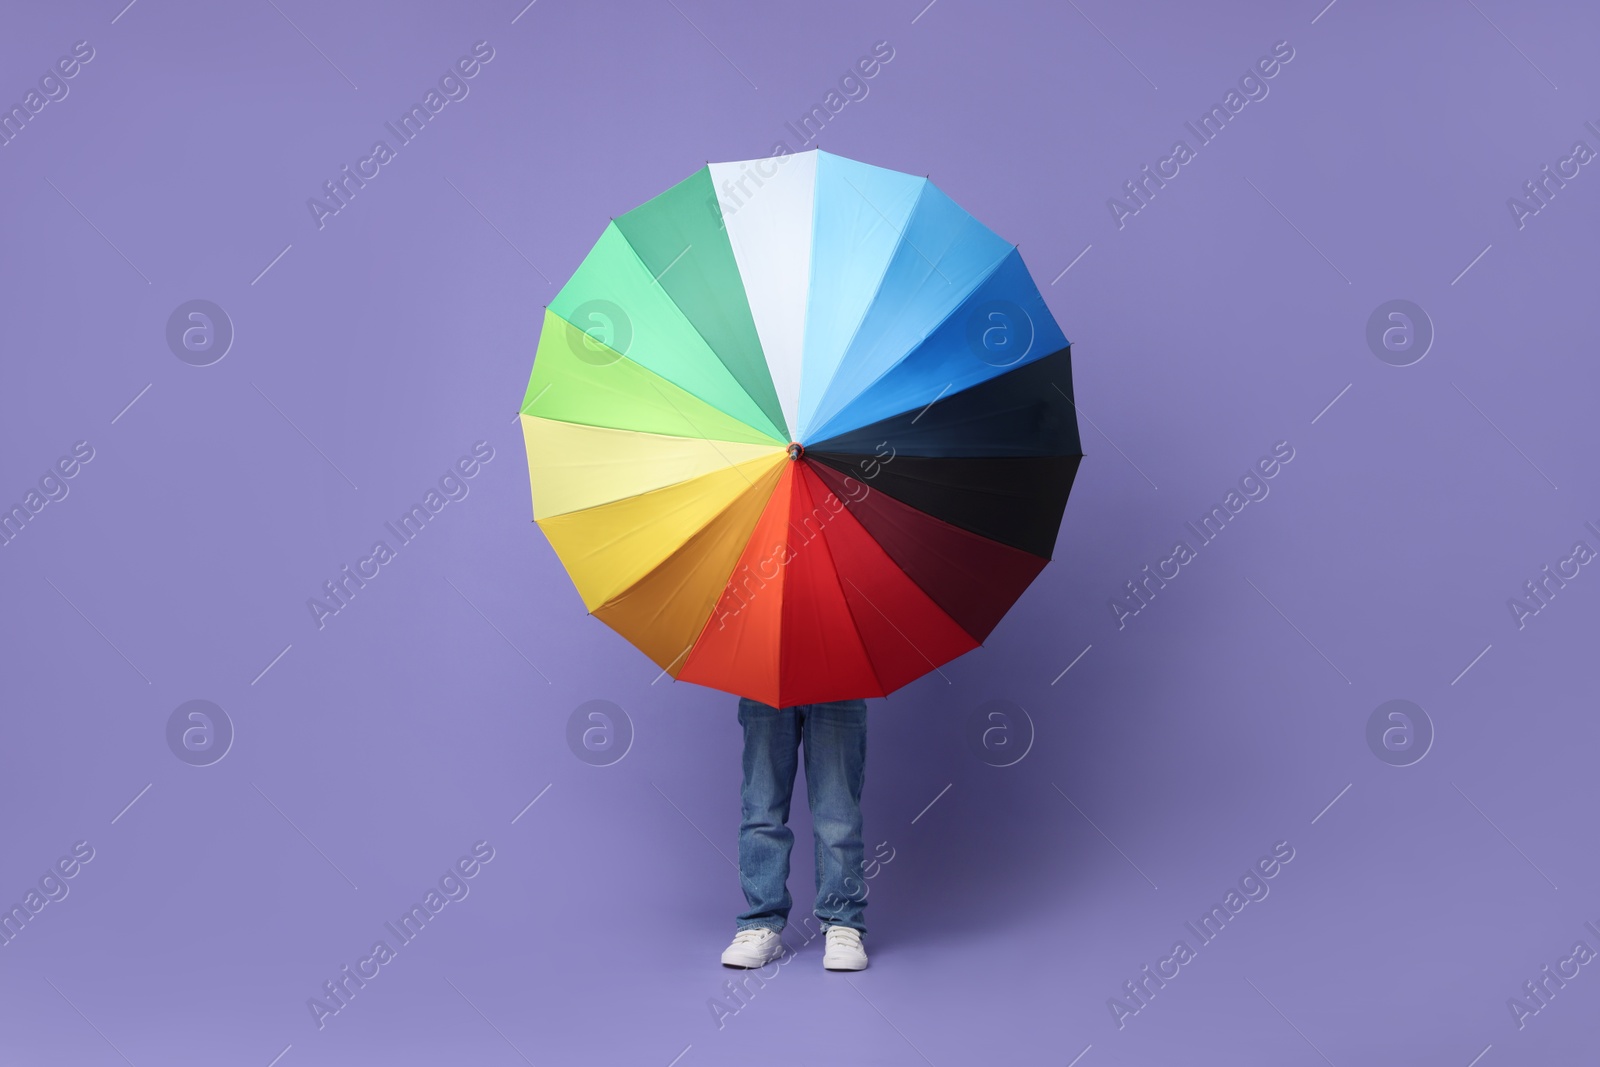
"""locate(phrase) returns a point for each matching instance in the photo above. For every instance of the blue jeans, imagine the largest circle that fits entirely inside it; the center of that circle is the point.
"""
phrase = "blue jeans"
(834, 736)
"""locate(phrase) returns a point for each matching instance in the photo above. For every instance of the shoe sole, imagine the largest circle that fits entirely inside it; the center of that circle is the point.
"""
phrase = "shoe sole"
(843, 967)
(753, 963)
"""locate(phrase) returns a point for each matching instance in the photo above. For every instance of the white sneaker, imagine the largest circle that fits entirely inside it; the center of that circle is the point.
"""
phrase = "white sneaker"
(754, 947)
(844, 951)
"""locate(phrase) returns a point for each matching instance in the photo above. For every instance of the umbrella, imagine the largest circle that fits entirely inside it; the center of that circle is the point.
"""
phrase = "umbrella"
(800, 428)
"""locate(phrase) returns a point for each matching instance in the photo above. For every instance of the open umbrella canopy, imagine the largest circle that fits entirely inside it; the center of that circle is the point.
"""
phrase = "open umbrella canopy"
(801, 428)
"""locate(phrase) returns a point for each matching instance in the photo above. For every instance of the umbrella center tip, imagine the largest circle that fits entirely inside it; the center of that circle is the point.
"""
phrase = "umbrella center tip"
(796, 449)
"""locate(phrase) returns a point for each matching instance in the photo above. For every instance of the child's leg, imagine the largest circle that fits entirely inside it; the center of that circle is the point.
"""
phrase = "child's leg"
(771, 741)
(836, 752)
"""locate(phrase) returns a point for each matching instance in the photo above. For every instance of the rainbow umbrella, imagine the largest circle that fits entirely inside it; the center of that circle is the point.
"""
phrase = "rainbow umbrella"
(801, 428)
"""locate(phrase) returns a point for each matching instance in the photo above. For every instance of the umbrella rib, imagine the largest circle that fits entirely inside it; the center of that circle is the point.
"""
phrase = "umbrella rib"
(916, 582)
(656, 281)
(822, 395)
(702, 434)
(833, 569)
(850, 608)
(676, 658)
(1016, 405)
(1102, 433)
(899, 631)
(669, 266)
(903, 238)
(700, 632)
(959, 304)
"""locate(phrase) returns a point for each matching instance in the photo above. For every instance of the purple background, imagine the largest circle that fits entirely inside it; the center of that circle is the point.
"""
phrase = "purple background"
(427, 714)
